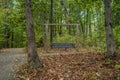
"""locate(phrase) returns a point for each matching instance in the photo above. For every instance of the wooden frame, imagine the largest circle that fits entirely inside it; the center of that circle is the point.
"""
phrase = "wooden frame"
(54, 45)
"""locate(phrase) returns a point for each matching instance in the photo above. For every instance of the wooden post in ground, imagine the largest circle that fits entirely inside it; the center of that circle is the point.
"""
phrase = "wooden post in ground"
(77, 37)
(46, 42)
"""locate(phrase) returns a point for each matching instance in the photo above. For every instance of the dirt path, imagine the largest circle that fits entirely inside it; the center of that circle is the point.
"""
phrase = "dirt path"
(9, 60)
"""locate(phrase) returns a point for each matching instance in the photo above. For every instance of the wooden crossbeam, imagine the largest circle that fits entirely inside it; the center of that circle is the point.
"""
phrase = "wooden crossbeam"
(62, 24)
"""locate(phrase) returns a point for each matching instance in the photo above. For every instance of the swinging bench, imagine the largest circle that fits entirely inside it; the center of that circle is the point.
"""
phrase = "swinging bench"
(49, 42)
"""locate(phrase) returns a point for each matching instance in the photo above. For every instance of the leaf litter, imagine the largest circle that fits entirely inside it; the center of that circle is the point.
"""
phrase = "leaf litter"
(80, 66)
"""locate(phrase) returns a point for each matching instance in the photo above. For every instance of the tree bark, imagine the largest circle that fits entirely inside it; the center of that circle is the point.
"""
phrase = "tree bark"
(12, 39)
(51, 21)
(33, 59)
(6, 30)
(66, 14)
(109, 33)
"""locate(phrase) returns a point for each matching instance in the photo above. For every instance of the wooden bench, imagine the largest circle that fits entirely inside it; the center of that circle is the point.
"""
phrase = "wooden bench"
(62, 45)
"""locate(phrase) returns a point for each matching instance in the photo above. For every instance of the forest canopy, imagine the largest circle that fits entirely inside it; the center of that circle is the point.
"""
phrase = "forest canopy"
(88, 13)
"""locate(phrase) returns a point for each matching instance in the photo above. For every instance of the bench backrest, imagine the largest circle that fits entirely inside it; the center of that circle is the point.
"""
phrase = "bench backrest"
(62, 45)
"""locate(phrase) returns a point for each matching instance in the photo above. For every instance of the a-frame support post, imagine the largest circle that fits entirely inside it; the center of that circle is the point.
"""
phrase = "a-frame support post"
(77, 36)
(46, 38)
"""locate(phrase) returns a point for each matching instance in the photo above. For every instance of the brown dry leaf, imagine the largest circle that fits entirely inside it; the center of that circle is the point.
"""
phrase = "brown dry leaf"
(61, 79)
(82, 66)
(27, 79)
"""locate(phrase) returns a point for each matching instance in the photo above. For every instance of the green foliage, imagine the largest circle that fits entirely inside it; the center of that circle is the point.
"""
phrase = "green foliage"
(87, 13)
(118, 77)
(117, 66)
(64, 38)
(117, 36)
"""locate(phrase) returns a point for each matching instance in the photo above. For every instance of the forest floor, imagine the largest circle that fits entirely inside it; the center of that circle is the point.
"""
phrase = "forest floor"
(9, 62)
(61, 64)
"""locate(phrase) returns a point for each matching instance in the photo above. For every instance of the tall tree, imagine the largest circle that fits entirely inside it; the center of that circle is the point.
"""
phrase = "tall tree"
(66, 13)
(6, 30)
(33, 59)
(108, 26)
(51, 21)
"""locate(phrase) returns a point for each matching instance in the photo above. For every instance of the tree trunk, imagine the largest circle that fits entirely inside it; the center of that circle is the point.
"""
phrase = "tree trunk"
(109, 32)
(33, 59)
(6, 36)
(89, 25)
(66, 14)
(51, 21)
(60, 32)
(6, 30)
(12, 39)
